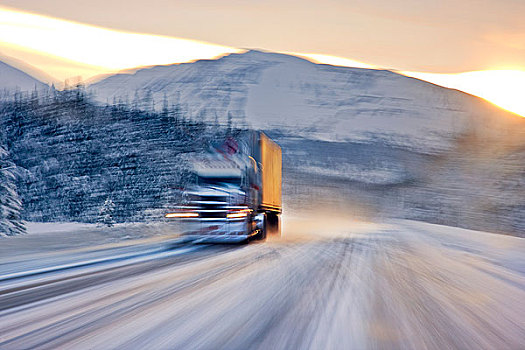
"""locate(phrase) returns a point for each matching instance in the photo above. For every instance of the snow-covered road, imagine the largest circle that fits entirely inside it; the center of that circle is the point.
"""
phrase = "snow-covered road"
(400, 284)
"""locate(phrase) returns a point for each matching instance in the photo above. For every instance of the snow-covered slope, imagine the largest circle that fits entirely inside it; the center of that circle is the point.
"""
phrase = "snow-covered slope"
(467, 170)
(12, 78)
(276, 91)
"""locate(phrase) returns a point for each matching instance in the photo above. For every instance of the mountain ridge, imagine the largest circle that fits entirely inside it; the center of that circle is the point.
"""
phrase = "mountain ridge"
(265, 90)
(369, 142)
(13, 78)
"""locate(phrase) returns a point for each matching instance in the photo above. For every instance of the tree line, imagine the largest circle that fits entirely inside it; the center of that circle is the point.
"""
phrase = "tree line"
(64, 157)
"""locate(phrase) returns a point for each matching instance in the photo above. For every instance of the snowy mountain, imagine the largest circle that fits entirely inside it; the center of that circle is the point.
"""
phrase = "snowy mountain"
(12, 78)
(369, 142)
(276, 91)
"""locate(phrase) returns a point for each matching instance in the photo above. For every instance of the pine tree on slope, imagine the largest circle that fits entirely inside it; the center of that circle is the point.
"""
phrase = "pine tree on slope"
(105, 216)
(10, 204)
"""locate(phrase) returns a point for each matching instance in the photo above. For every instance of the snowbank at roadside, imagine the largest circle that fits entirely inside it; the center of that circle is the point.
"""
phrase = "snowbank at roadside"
(48, 227)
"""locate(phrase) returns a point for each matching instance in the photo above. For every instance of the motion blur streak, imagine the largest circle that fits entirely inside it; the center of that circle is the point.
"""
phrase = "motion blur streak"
(349, 285)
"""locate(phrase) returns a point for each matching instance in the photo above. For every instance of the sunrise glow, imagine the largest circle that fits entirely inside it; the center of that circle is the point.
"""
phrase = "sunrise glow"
(96, 46)
(333, 60)
(503, 88)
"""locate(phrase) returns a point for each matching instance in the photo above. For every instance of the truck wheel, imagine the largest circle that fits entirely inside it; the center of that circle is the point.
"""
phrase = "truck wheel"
(261, 234)
(274, 224)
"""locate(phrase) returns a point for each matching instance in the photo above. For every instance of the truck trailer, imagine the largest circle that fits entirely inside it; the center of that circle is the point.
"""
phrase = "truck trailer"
(236, 193)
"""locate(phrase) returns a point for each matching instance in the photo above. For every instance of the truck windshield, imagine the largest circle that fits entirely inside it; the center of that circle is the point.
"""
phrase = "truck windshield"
(218, 181)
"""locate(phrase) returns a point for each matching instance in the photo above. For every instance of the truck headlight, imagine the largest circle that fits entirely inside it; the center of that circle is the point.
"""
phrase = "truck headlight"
(182, 214)
(238, 214)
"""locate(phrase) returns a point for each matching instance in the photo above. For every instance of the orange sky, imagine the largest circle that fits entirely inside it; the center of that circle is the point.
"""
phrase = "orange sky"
(445, 36)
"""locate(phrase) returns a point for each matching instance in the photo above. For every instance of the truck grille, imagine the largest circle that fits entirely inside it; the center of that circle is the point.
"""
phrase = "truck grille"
(213, 214)
(211, 206)
(222, 199)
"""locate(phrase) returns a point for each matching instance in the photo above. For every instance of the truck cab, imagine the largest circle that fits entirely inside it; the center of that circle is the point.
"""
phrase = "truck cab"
(225, 203)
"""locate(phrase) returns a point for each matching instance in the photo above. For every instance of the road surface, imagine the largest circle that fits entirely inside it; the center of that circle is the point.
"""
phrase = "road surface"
(400, 285)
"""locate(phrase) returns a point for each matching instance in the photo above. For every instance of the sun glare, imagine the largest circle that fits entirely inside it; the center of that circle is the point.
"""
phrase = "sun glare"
(95, 46)
(333, 60)
(503, 88)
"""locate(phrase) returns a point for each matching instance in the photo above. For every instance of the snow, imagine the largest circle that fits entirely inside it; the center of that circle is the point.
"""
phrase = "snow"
(380, 141)
(55, 227)
(276, 91)
(45, 242)
(334, 284)
(377, 176)
(10, 203)
(12, 78)
(498, 250)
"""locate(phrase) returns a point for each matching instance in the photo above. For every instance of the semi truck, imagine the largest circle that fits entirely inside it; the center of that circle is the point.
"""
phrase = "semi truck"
(236, 193)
